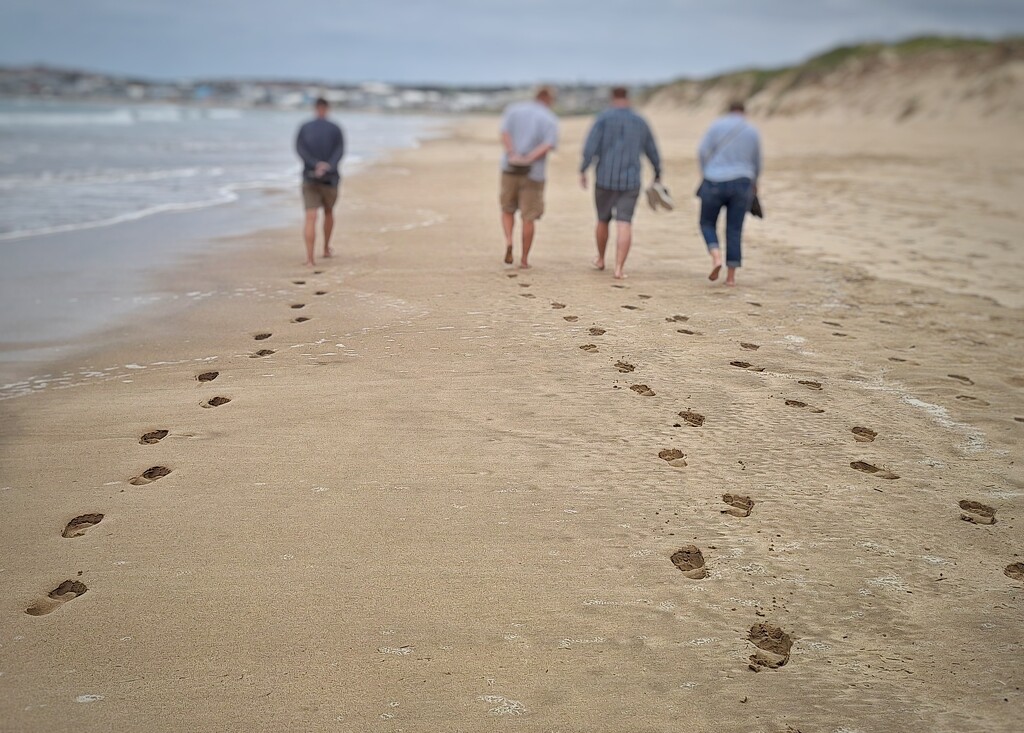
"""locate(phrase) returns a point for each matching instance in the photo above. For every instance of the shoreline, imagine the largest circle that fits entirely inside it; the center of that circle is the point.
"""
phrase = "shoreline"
(142, 252)
(430, 508)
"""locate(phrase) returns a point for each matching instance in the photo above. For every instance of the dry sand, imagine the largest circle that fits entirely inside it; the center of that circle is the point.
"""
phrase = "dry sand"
(429, 509)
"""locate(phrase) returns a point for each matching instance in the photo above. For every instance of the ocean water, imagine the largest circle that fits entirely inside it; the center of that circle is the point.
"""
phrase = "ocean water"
(65, 167)
(96, 199)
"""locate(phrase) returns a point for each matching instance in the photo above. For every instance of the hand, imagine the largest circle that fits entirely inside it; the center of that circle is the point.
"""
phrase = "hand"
(755, 189)
(519, 160)
(583, 181)
(321, 169)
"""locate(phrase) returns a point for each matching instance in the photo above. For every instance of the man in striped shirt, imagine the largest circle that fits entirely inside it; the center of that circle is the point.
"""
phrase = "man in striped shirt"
(616, 140)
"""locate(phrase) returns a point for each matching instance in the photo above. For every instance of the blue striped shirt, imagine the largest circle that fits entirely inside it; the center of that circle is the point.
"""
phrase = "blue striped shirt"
(617, 139)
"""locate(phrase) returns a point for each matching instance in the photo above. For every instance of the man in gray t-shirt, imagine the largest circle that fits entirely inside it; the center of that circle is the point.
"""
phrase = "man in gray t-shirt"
(529, 131)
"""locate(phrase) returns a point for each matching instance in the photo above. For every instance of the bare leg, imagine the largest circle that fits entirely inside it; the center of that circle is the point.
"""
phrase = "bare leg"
(508, 225)
(310, 235)
(528, 229)
(730, 276)
(601, 239)
(716, 262)
(328, 228)
(623, 240)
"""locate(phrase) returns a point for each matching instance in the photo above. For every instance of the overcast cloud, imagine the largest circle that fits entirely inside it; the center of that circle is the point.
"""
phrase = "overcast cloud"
(467, 41)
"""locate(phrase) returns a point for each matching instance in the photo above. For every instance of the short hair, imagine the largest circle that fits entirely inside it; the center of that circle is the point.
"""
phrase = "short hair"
(620, 93)
(545, 93)
(321, 102)
(737, 105)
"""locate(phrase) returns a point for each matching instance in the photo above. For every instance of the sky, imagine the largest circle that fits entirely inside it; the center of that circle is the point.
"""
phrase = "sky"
(466, 41)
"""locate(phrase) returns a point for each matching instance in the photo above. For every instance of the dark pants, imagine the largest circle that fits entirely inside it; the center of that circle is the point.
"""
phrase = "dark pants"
(736, 196)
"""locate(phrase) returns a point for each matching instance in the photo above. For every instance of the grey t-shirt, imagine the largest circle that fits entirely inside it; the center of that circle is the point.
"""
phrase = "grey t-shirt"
(530, 124)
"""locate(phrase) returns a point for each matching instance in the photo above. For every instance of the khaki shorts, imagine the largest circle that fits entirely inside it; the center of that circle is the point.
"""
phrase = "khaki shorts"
(319, 195)
(523, 194)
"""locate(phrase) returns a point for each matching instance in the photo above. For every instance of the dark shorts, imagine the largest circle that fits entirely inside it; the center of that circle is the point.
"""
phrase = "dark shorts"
(318, 195)
(620, 204)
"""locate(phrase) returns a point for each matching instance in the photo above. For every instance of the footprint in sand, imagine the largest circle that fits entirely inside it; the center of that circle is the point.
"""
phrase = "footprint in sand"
(692, 418)
(207, 376)
(643, 390)
(773, 647)
(66, 591)
(678, 319)
(624, 366)
(673, 457)
(748, 346)
(77, 526)
(690, 562)
(524, 285)
(512, 274)
(597, 332)
(804, 406)
(261, 353)
(620, 287)
(298, 282)
(558, 306)
(571, 319)
(644, 297)
(688, 332)
(631, 307)
(873, 470)
(975, 401)
(149, 476)
(746, 365)
(977, 513)
(527, 295)
(810, 384)
(961, 378)
(318, 272)
(837, 333)
(1014, 570)
(216, 401)
(863, 435)
(320, 292)
(589, 347)
(833, 323)
(739, 506)
(153, 436)
(296, 306)
(262, 336)
(300, 319)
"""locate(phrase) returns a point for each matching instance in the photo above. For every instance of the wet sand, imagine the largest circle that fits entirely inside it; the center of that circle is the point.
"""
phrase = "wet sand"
(431, 508)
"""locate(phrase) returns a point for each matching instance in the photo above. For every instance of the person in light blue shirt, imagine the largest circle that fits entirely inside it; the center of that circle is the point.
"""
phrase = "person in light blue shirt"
(529, 131)
(617, 140)
(730, 161)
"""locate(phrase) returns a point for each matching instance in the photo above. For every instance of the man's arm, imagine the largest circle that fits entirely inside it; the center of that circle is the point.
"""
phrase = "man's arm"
(591, 145)
(703, 150)
(338, 153)
(757, 160)
(300, 147)
(651, 151)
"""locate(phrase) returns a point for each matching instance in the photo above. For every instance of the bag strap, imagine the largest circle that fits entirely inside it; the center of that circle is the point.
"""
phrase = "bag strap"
(725, 141)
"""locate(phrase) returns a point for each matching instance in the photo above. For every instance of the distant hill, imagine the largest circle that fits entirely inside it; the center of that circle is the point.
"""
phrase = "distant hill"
(925, 78)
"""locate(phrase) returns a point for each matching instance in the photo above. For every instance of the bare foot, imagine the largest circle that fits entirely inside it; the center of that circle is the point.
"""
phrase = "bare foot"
(598, 263)
(523, 265)
(310, 263)
(620, 275)
(730, 283)
(508, 254)
(328, 252)
(716, 265)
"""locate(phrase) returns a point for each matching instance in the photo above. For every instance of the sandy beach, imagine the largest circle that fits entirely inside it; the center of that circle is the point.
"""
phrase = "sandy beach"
(437, 494)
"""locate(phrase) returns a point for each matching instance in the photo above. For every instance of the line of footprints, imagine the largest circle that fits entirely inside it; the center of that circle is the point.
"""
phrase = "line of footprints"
(69, 590)
(772, 644)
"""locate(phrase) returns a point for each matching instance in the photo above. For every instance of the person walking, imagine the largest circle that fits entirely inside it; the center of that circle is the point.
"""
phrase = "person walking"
(730, 162)
(529, 131)
(321, 145)
(616, 140)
